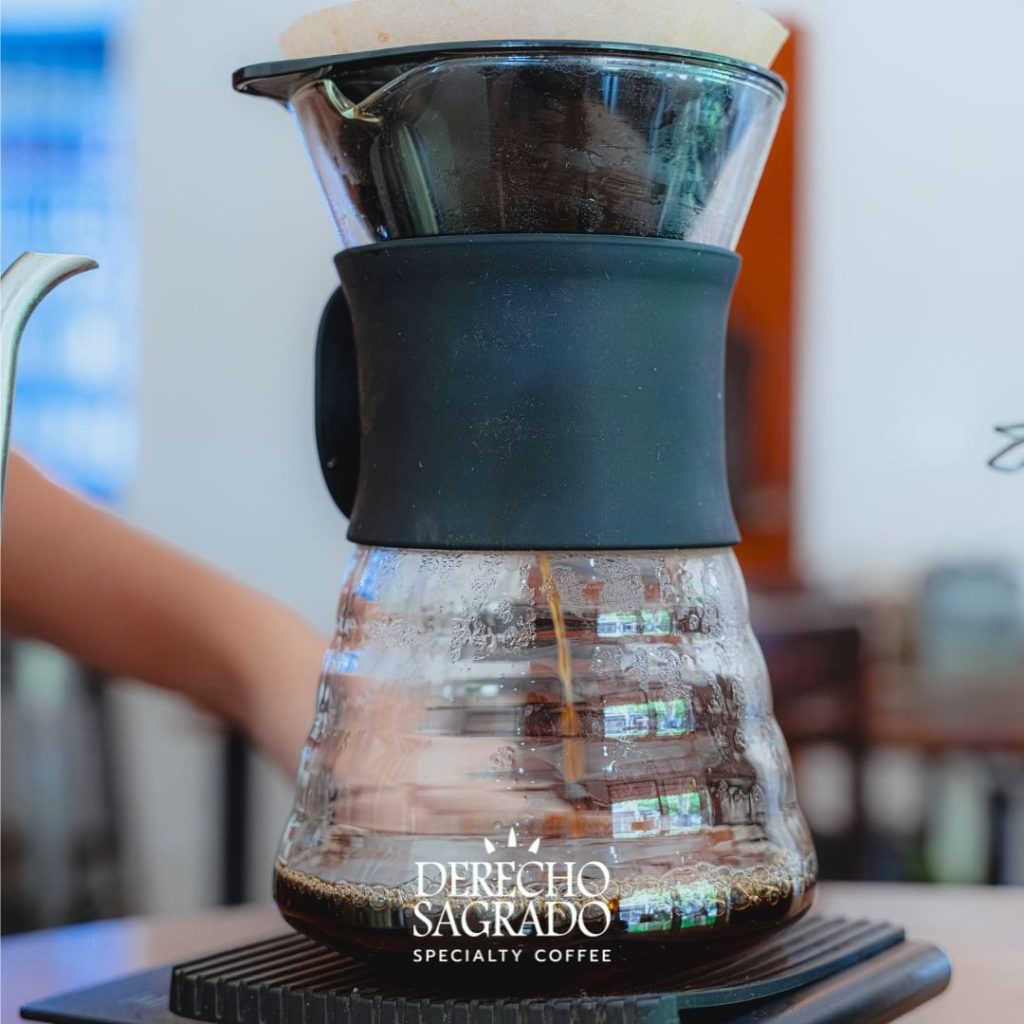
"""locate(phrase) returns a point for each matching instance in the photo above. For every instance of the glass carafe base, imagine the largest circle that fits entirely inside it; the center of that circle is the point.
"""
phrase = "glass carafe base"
(663, 935)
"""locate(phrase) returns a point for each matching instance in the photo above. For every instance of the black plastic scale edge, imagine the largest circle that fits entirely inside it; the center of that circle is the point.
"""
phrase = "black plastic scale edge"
(838, 970)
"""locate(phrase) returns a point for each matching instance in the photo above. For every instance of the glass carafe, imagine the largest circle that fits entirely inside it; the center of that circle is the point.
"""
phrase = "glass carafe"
(609, 710)
(522, 748)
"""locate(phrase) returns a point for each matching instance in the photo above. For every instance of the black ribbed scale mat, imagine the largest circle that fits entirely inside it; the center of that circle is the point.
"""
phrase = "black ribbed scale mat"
(293, 980)
(820, 971)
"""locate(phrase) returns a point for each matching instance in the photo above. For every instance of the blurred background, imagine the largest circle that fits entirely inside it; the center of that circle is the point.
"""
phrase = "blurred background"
(878, 344)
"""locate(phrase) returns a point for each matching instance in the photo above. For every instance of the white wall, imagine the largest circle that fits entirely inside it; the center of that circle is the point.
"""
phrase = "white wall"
(237, 265)
(912, 345)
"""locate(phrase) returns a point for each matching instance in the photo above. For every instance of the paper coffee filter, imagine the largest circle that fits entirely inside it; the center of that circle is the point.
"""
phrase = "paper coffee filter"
(726, 27)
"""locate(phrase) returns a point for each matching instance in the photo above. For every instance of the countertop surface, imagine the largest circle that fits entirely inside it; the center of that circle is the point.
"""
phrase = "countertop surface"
(982, 930)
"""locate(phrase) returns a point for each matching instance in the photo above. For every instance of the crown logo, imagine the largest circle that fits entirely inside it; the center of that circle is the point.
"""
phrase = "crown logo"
(513, 843)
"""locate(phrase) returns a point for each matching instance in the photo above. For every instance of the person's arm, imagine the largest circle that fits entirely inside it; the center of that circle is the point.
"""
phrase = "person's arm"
(125, 604)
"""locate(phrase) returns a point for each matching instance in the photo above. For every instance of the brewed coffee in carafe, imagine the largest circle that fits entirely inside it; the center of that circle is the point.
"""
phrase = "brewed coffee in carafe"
(544, 722)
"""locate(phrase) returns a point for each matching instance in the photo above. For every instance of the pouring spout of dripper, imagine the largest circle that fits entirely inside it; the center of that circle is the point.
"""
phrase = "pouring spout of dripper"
(279, 80)
(25, 283)
(271, 82)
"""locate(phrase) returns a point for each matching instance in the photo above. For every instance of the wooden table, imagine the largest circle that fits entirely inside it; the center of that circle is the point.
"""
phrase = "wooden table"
(982, 929)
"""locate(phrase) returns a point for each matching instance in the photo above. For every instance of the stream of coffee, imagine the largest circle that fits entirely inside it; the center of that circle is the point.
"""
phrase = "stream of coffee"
(572, 743)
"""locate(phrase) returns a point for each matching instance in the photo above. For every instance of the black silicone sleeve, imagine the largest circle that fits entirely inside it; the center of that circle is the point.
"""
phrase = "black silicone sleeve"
(540, 392)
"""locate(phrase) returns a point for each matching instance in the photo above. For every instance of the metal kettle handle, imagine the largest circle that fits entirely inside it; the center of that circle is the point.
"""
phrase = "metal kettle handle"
(25, 283)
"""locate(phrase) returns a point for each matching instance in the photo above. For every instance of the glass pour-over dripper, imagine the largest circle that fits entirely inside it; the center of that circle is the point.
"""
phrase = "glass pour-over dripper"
(531, 137)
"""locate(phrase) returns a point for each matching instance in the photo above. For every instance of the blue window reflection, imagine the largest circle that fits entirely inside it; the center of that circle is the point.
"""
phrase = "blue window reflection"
(67, 187)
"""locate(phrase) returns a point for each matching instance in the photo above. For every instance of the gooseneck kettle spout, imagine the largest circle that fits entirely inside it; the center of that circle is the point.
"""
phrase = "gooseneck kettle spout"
(25, 283)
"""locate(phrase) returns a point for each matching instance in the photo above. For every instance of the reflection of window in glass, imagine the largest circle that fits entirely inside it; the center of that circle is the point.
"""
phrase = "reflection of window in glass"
(663, 718)
(684, 906)
(341, 662)
(67, 187)
(665, 814)
(646, 623)
(671, 717)
(611, 624)
(633, 817)
(681, 811)
(381, 567)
